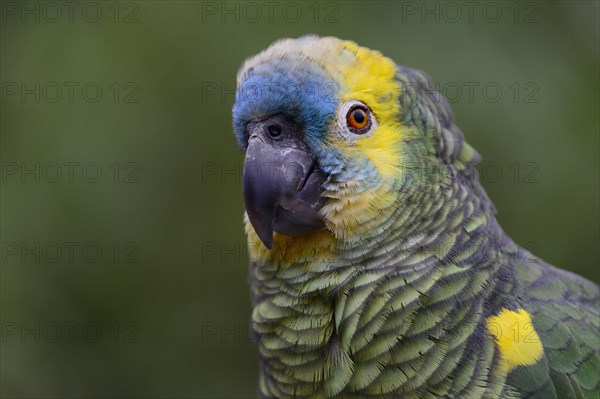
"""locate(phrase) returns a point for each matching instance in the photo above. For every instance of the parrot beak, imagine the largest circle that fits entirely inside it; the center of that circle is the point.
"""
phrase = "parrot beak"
(281, 181)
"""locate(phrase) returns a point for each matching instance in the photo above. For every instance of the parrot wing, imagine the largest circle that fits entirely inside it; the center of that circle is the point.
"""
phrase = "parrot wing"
(565, 314)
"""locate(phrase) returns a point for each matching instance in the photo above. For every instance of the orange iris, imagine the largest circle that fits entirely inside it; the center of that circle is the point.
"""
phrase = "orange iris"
(358, 118)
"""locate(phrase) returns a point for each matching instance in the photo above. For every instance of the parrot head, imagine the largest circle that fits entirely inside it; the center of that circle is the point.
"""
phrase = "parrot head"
(333, 133)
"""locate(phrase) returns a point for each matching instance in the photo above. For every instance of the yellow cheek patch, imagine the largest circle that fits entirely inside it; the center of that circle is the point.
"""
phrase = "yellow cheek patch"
(370, 79)
(516, 339)
(350, 214)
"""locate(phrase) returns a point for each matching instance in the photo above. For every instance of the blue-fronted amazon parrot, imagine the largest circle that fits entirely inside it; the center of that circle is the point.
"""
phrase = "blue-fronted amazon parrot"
(378, 268)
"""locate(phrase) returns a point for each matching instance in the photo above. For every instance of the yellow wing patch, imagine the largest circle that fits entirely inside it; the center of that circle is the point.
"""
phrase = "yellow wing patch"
(516, 339)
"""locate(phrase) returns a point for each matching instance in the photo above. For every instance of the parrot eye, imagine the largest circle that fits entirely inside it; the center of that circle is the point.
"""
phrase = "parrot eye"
(356, 119)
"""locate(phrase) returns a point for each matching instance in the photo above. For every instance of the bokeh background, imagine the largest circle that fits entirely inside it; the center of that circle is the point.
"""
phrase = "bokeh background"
(123, 267)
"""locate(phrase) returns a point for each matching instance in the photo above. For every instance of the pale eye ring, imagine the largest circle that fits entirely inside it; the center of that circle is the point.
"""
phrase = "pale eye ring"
(357, 118)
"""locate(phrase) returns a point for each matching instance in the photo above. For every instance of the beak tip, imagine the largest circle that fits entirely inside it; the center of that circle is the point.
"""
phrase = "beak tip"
(267, 240)
(263, 231)
(268, 244)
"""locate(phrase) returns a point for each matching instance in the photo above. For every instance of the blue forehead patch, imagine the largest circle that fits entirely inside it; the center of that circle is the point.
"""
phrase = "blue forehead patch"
(298, 90)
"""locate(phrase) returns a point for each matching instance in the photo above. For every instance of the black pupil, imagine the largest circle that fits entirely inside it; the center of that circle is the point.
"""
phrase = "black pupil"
(359, 116)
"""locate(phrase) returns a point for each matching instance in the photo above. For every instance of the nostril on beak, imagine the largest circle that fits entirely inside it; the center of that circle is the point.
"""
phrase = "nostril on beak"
(274, 130)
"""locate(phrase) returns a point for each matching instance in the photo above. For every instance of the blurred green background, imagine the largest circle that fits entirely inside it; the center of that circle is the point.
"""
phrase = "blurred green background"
(162, 309)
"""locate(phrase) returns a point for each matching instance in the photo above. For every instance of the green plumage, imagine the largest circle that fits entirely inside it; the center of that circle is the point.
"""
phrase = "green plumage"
(564, 310)
(402, 310)
(420, 332)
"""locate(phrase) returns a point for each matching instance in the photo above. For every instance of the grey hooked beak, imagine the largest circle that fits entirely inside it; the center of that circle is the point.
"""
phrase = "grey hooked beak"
(281, 181)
